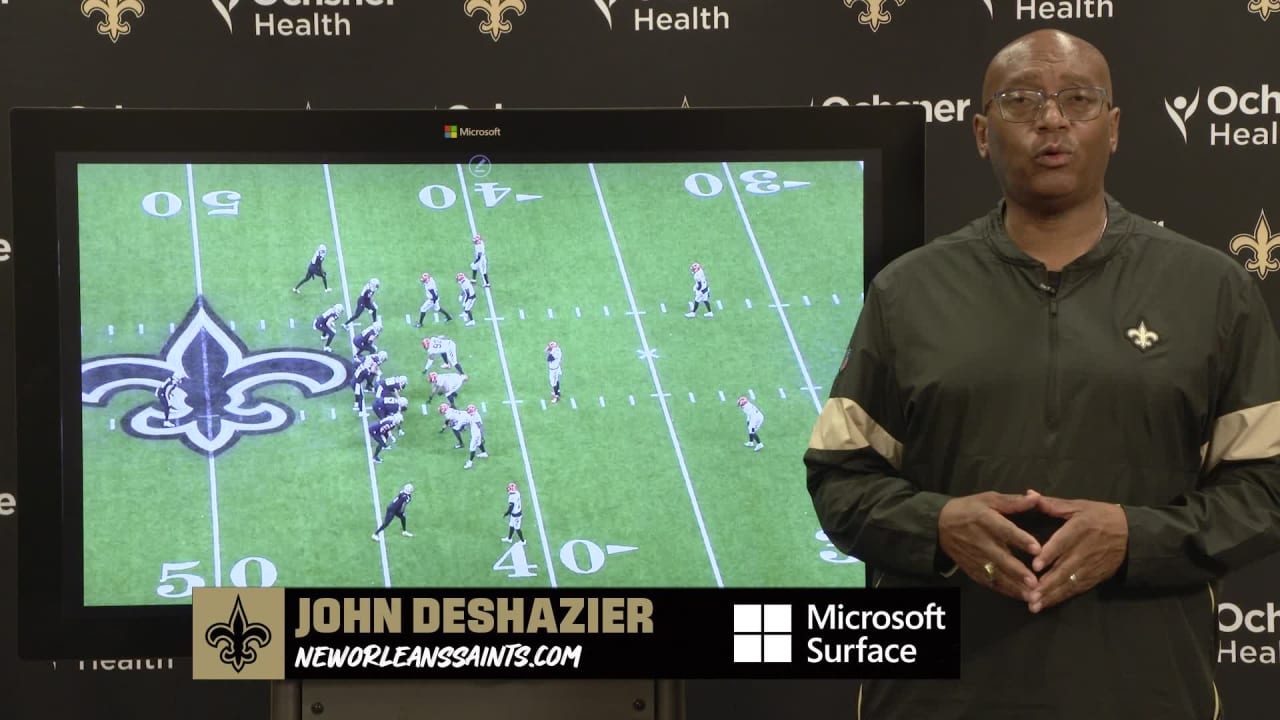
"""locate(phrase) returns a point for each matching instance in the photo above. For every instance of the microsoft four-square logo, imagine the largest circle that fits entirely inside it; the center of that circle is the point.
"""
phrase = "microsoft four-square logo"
(451, 132)
(762, 633)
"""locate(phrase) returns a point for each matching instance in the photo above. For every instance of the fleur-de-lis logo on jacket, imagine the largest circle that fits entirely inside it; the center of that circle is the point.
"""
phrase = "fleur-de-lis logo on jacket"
(494, 23)
(113, 24)
(1142, 337)
(1264, 8)
(238, 640)
(1260, 244)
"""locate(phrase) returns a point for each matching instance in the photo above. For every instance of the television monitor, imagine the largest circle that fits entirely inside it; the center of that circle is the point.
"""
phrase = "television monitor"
(577, 310)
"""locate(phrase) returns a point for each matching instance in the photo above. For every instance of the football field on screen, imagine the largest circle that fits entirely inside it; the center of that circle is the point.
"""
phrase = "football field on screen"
(639, 477)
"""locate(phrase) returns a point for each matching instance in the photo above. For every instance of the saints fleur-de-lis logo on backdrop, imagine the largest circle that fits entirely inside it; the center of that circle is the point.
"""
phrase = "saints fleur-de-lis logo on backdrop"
(876, 15)
(113, 24)
(494, 23)
(238, 640)
(1264, 8)
(1260, 244)
(216, 404)
(1142, 337)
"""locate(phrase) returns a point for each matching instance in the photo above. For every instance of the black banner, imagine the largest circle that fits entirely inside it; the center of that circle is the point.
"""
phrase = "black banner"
(670, 633)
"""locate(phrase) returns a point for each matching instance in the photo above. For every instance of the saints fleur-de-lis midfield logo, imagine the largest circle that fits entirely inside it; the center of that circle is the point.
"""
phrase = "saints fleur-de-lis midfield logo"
(494, 23)
(1260, 245)
(1142, 337)
(113, 23)
(237, 640)
(1264, 8)
(215, 405)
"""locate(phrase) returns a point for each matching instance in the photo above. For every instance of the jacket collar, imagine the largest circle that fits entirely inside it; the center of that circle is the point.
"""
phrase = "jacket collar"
(1119, 226)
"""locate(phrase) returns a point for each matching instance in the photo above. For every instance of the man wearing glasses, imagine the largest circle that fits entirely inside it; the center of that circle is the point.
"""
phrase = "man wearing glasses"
(1068, 412)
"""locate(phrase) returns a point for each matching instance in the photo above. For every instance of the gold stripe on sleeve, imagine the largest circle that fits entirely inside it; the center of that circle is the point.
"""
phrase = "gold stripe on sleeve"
(1248, 434)
(844, 425)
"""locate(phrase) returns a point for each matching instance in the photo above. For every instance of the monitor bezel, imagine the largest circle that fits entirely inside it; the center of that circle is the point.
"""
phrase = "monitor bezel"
(53, 622)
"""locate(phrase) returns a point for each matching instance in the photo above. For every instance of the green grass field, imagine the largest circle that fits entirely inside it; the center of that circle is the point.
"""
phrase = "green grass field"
(622, 486)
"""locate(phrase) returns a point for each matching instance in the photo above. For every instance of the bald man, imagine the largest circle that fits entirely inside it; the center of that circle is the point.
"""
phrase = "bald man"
(1068, 412)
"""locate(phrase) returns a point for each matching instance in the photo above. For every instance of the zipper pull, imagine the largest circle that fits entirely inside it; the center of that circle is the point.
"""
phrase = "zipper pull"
(1053, 305)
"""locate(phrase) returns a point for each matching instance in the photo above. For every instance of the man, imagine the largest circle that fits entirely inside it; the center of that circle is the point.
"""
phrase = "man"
(366, 340)
(467, 297)
(554, 357)
(380, 431)
(324, 325)
(446, 348)
(432, 303)
(701, 292)
(514, 513)
(755, 419)
(164, 394)
(316, 270)
(395, 509)
(1066, 411)
(455, 420)
(480, 264)
(447, 386)
(365, 302)
(477, 436)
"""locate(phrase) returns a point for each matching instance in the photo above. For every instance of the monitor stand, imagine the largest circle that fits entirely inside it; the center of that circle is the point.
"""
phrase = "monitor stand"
(478, 699)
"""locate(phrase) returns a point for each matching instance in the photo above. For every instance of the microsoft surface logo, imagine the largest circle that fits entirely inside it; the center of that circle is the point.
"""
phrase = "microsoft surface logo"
(762, 633)
(451, 131)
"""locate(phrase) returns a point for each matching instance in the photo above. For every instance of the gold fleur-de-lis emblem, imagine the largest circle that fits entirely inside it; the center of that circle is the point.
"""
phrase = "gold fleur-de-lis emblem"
(1261, 244)
(1142, 337)
(1264, 8)
(237, 639)
(494, 10)
(113, 24)
(876, 15)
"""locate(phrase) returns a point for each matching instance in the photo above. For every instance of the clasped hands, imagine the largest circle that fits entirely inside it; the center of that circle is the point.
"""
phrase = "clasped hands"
(977, 534)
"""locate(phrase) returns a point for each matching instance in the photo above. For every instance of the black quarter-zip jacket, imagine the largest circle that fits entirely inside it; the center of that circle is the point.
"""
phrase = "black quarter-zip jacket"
(1146, 374)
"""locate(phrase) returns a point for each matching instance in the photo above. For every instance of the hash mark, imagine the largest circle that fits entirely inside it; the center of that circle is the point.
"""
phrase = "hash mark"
(112, 423)
(783, 393)
(140, 331)
(408, 320)
(544, 403)
(573, 403)
(292, 325)
(262, 324)
(111, 330)
(748, 303)
(752, 393)
(835, 298)
(550, 315)
(721, 395)
(424, 408)
(663, 306)
(522, 313)
(691, 398)
(577, 311)
(172, 329)
(302, 415)
(632, 398)
(805, 298)
(484, 407)
(233, 326)
(601, 401)
(333, 415)
(719, 305)
(606, 311)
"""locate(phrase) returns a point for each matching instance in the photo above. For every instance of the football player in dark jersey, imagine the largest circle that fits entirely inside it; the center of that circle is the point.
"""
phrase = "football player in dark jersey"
(364, 342)
(316, 269)
(164, 394)
(380, 431)
(365, 302)
(324, 325)
(395, 509)
(365, 374)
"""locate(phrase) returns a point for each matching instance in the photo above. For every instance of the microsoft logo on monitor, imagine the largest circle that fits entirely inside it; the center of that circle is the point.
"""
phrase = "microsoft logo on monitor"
(451, 131)
(762, 633)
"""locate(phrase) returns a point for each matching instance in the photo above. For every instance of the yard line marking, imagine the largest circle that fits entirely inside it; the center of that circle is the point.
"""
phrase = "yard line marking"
(214, 524)
(773, 290)
(657, 382)
(368, 447)
(511, 397)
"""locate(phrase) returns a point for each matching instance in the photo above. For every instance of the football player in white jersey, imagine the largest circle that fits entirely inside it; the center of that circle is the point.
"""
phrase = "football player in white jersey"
(432, 303)
(467, 296)
(554, 357)
(755, 419)
(515, 512)
(446, 386)
(477, 436)
(444, 347)
(455, 420)
(701, 292)
(481, 262)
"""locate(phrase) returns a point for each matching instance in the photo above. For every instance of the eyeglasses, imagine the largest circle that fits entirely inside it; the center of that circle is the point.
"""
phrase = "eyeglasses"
(1078, 104)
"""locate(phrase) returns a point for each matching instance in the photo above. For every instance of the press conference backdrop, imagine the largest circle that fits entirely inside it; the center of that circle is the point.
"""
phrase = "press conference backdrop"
(1199, 150)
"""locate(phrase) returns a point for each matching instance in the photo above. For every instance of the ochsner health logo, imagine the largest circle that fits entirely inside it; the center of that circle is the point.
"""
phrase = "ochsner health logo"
(298, 18)
(1237, 110)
